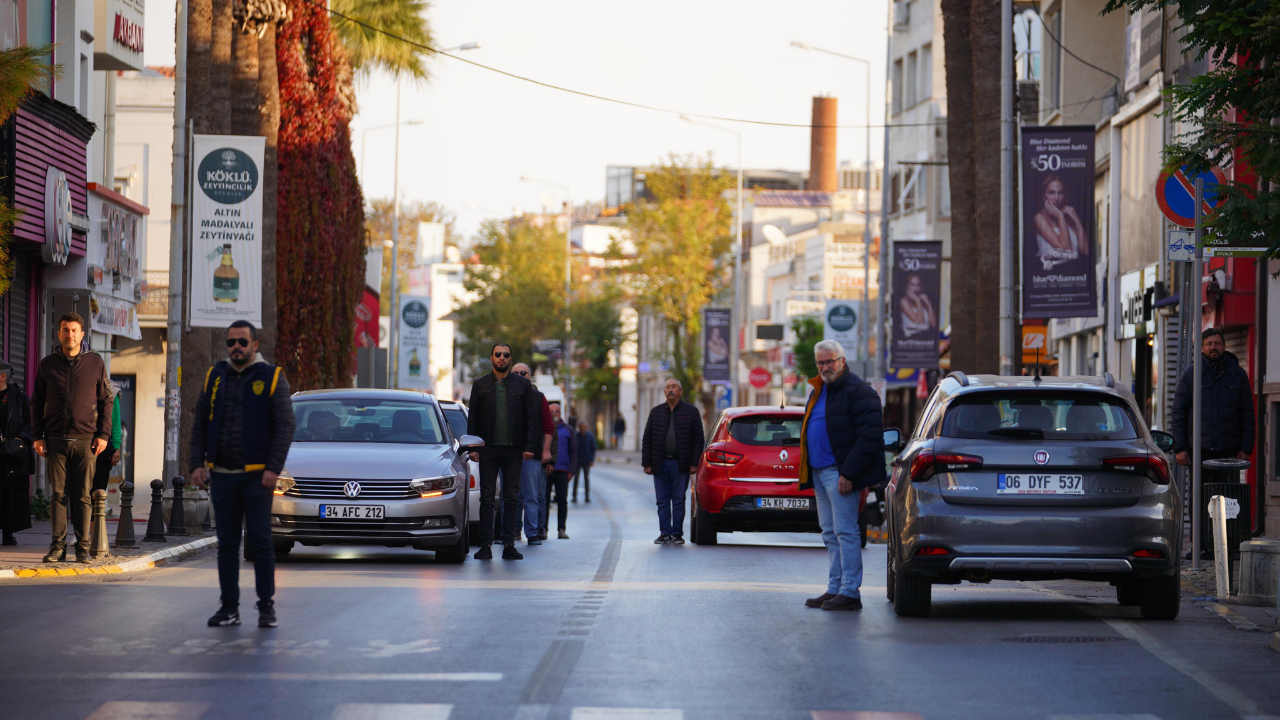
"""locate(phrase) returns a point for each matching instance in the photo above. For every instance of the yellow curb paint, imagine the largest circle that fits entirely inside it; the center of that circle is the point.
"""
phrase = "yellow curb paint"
(67, 572)
(25, 573)
(47, 572)
(98, 570)
(112, 569)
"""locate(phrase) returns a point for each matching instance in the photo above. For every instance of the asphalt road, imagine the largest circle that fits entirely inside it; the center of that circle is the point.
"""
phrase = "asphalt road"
(608, 625)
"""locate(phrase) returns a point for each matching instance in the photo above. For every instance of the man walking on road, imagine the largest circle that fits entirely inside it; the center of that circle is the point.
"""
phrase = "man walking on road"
(841, 451)
(239, 441)
(533, 476)
(566, 461)
(504, 413)
(670, 449)
(586, 458)
(70, 424)
(619, 431)
(1227, 419)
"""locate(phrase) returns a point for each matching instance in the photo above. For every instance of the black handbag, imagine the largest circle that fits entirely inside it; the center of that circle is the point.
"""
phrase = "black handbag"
(13, 449)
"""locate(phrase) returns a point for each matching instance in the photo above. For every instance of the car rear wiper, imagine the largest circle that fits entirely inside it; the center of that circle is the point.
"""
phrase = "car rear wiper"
(1016, 432)
(791, 441)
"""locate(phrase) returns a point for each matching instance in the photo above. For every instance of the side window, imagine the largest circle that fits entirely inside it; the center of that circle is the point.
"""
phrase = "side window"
(929, 417)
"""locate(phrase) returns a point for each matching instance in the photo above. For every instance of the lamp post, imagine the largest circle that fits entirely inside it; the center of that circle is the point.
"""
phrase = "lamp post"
(388, 126)
(568, 289)
(734, 319)
(866, 230)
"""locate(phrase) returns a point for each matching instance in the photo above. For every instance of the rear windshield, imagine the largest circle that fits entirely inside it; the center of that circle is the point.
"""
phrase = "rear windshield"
(1039, 415)
(767, 430)
(457, 421)
(366, 420)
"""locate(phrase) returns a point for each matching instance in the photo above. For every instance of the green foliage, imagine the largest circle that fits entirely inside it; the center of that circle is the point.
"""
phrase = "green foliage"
(682, 237)
(40, 505)
(597, 324)
(518, 286)
(369, 49)
(596, 383)
(378, 222)
(23, 70)
(808, 330)
(1232, 106)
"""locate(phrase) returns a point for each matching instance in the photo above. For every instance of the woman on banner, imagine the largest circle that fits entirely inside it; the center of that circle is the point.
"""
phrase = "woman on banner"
(1060, 237)
(917, 310)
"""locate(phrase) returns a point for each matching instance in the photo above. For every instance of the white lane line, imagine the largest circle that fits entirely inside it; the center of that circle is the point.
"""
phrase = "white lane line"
(305, 677)
(391, 711)
(1143, 716)
(862, 715)
(148, 711)
(1237, 700)
(608, 713)
(532, 712)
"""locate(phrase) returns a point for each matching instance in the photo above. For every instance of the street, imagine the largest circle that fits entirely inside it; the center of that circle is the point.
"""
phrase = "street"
(608, 625)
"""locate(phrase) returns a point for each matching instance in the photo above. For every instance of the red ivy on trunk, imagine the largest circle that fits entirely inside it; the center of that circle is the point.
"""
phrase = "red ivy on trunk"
(320, 235)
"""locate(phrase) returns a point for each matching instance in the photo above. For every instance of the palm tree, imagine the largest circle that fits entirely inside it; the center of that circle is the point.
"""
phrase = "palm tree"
(357, 24)
(23, 69)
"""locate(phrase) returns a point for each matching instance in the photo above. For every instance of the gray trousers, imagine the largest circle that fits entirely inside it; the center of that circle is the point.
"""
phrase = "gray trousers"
(71, 465)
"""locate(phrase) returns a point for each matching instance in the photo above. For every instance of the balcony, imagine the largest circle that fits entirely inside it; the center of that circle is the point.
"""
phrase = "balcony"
(153, 311)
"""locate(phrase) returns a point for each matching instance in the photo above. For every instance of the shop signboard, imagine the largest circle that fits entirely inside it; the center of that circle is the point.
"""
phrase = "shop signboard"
(840, 323)
(118, 34)
(1059, 262)
(1134, 307)
(917, 296)
(113, 316)
(226, 231)
(715, 352)
(57, 217)
(547, 349)
(414, 343)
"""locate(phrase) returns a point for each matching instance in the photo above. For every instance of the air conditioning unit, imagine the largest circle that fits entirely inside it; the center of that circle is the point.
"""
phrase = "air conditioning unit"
(901, 15)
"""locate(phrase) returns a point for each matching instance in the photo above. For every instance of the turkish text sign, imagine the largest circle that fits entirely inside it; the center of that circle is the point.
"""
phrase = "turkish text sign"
(226, 230)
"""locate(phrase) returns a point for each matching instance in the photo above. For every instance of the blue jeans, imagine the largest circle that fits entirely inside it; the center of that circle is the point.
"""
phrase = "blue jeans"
(240, 501)
(671, 484)
(838, 516)
(533, 486)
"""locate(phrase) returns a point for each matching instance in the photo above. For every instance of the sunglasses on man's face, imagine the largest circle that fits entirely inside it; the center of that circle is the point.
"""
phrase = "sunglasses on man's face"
(523, 372)
(502, 355)
(242, 342)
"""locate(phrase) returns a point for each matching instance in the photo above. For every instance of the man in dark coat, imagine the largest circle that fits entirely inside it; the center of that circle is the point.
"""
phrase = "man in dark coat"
(505, 414)
(670, 449)
(1227, 421)
(841, 451)
(18, 460)
(586, 458)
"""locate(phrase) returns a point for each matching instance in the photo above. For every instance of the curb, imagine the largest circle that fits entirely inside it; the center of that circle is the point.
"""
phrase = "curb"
(155, 559)
(1237, 620)
(1275, 641)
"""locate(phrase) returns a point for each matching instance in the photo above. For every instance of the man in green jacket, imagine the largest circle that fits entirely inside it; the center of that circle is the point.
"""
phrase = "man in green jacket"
(110, 457)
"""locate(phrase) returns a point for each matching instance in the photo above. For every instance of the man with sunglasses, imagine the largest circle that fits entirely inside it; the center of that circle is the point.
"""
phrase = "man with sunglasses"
(241, 435)
(504, 413)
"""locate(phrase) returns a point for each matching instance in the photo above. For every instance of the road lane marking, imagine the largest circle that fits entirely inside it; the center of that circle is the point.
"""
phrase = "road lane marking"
(863, 715)
(391, 711)
(281, 676)
(532, 712)
(608, 713)
(149, 711)
(553, 671)
(609, 561)
(1143, 716)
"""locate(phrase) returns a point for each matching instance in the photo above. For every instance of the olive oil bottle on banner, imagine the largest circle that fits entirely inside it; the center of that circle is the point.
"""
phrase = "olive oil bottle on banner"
(415, 365)
(226, 279)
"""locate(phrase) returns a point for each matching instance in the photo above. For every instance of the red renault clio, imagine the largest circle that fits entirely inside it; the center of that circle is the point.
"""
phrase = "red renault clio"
(748, 476)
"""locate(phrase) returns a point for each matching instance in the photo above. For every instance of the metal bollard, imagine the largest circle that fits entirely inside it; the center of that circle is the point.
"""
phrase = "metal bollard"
(177, 513)
(98, 535)
(207, 524)
(155, 519)
(124, 534)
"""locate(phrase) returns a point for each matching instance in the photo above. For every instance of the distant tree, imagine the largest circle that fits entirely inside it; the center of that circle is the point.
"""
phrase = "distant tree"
(355, 21)
(377, 225)
(808, 330)
(598, 338)
(23, 69)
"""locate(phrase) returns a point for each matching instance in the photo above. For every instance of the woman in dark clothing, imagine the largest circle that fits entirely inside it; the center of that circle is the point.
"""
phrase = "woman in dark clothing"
(15, 469)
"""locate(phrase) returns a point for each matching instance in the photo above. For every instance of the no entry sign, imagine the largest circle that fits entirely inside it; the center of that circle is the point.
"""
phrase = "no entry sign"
(1176, 193)
(760, 377)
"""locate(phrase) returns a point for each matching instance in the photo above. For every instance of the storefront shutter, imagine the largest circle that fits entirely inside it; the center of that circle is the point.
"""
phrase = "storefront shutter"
(15, 321)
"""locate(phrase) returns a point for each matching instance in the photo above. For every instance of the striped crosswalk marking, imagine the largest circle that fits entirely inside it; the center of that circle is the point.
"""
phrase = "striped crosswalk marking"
(608, 713)
(862, 715)
(1104, 717)
(391, 711)
(149, 711)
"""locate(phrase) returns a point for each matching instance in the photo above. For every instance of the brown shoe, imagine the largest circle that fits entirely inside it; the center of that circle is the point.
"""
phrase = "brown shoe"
(843, 602)
(817, 602)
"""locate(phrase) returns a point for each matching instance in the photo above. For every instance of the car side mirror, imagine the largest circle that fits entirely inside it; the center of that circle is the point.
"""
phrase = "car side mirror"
(1164, 440)
(468, 443)
(893, 441)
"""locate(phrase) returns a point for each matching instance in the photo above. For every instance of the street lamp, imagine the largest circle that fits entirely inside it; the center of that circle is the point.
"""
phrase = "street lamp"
(734, 318)
(364, 131)
(568, 290)
(866, 235)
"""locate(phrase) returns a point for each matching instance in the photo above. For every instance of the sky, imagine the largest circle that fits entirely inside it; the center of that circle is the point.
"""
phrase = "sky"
(481, 132)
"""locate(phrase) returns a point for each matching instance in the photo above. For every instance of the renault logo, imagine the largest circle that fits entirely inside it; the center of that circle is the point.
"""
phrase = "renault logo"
(351, 489)
(783, 456)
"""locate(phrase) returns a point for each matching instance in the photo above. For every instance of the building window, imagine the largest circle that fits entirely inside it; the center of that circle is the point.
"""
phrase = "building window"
(1052, 90)
(895, 188)
(926, 72)
(912, 78)
(944, 191)
(84, 86)
(897, 86)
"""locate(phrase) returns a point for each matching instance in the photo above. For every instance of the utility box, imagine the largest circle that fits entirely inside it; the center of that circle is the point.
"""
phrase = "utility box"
(1259, 572)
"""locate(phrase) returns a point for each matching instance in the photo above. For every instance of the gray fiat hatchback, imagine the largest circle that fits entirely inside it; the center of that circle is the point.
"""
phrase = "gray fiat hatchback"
(1019, 478)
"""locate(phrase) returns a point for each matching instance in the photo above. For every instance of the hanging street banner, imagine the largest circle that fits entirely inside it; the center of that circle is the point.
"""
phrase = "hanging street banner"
(1058, 256)
(715, 351)
(414, 343)
(840, 323)
(226, 230)
(917, 295)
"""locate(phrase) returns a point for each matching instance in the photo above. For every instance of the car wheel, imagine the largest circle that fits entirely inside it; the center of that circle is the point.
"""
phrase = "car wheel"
(912, 595)
(889, 573)
(1129, 592)
(283, 547)
(456, 554)
(703, 529)
(1161, 597)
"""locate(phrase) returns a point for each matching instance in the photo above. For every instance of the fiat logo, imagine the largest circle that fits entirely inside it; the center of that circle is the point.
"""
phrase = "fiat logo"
(351, 489)
(783, 456)
(1041, 457)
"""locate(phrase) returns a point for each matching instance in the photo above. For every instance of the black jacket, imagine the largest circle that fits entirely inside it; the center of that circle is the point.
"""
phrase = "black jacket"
(71, 397)
(689, 437)
(524, 413)
(15, 422)
(1227, 421)
(586, 448)
(855, 428)
(270, 437)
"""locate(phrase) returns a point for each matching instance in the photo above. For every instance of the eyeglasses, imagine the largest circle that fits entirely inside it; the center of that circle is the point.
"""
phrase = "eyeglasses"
(827, 363)
(525, 373)
(242, 342)
(502, 355)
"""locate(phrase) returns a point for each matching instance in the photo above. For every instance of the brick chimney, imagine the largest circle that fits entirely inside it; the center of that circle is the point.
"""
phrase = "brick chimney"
(822, 146)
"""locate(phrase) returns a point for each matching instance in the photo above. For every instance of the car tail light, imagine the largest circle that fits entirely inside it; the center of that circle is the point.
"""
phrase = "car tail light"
(932, 551)
(1159, 554)
(1153, 466)
(473, 481)
(927, 462)
(722, 458)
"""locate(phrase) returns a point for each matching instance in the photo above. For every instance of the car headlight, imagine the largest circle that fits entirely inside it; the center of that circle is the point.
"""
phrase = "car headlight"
(284, 482)
(431, 487)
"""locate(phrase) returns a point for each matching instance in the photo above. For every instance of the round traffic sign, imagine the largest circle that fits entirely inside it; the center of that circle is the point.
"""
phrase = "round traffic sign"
(1176, 193)
(760, 377)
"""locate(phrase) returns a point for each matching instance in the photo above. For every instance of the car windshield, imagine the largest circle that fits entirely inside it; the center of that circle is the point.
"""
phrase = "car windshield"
(1039, 415)
(366, 420)
(457, 420)
(767, 429)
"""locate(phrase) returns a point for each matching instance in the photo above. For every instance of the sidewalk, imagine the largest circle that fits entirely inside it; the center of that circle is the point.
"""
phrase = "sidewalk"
(26, 558)
(618, 456)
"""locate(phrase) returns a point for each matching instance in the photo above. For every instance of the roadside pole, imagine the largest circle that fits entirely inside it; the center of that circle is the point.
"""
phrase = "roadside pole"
(1007, 254)
(882, 343)
(177, 238)
(1197, 360)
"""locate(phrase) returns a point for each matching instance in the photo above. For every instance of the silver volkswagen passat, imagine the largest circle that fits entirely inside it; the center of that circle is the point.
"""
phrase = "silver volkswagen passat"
(373, 467)
(1023, 478)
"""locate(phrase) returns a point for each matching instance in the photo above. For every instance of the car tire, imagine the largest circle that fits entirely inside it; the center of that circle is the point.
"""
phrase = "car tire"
(703, 529)
(912, 595)
(456, 554)
(1129, 592)
(1161, 597)
(890, 574)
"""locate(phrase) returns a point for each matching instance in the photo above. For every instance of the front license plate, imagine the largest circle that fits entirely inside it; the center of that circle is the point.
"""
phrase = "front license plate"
(1040, 484)
(782, 503)
(352, 512)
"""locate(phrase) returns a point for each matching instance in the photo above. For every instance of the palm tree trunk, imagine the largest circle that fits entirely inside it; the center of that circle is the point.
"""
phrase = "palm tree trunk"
(984, 52)
(960, 157)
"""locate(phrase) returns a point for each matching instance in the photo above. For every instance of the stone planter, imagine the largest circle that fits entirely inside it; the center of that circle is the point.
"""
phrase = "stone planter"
(195, 503)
